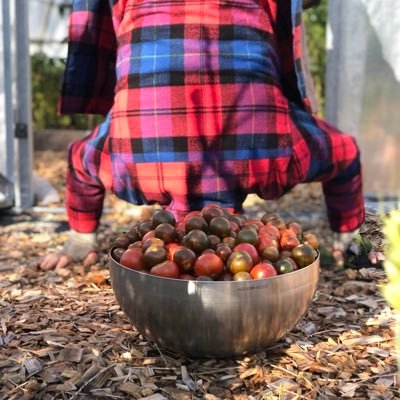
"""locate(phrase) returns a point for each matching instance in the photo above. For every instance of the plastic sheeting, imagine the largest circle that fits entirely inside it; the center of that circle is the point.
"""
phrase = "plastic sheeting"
(48, 27)
(363, 86)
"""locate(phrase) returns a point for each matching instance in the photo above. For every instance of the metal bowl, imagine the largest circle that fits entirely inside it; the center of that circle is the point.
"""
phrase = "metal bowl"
(214, 319)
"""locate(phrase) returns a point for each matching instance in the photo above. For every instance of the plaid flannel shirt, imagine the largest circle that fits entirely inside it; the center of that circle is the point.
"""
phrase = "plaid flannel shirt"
(90, 72)
(205, 102)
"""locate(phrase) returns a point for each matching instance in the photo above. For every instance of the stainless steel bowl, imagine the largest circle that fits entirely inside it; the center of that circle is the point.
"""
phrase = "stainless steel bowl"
(214, 319)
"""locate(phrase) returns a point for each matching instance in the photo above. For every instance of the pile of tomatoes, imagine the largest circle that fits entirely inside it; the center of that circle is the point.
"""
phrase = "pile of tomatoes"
(214, 244)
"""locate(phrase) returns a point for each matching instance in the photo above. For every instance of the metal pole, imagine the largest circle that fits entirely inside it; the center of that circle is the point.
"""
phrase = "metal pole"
(6, 107)
(23, 117)
(333, 40)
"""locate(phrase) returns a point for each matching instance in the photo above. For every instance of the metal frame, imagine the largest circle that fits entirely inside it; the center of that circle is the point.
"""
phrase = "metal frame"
(16, 138)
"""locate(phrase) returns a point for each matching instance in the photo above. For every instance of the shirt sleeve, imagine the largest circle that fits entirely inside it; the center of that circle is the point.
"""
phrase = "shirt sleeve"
(89, 77)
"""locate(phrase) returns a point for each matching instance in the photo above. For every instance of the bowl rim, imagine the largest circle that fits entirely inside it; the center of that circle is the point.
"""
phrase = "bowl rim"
(317, 259)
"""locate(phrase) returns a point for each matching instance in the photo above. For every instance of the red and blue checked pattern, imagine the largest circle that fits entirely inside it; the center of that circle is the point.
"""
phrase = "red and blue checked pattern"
(201, 112)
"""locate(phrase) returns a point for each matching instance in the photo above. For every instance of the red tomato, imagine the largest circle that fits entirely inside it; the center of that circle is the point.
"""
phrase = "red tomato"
(166, 269)
(208, 264)
(272, 231)
(135, 245)
(295, 227)
(234, 227)
(172, 248)
(287, 232)
(263, 270)
(278, 223)
(264, 240)
(148, 235)
(289, 242)
(190, 214)
(255, 222)
(180, 226)
(249, 248)
(133, 259)
(208, 251)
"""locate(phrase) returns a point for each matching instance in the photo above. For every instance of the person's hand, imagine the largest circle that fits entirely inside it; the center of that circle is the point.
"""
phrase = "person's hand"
(79, 247)
(376, 257)
(61, 260)
(352, 250)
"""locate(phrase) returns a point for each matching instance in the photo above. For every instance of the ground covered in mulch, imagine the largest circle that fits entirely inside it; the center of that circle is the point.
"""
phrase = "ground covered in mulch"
(63, 336)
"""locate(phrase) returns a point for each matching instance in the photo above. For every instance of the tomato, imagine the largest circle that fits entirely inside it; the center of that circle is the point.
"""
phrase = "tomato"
(137, 244)
(152, 242)
(180, 226)
(304, 255)
(171, 249)
(284, 266)
(295, 227)
(163, 216)
(285, 254)
(312, 240)
(287, 232)
(196, 222)
(270, 230)
(145, 226)
(270, 253)
(220, 226)
(229, 241)
(133, 259)
(197, 240)
(291, 260)
(154, 255)
(208, 265)
(209, 212)
(237, 221)
(122, 241)
(117, 253)
(247, 235)
(240, 261)
(184, 258)
(263, 270)
(289, 242)
(191, 214)
(268, 217)
(278, 223)
(264, 240)
(133, 234)
(225, 276)
(242, 276)
(234, 227)
(214, 241)
(223, 251)
(165, 232)
(166, 269)
(255, 222)
(208, 251)
(250, 249)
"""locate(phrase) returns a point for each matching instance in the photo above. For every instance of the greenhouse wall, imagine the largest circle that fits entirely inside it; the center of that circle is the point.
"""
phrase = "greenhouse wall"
(363, 86)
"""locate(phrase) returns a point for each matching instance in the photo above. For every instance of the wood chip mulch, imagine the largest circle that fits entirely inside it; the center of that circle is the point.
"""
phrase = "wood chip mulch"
(63, 335)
